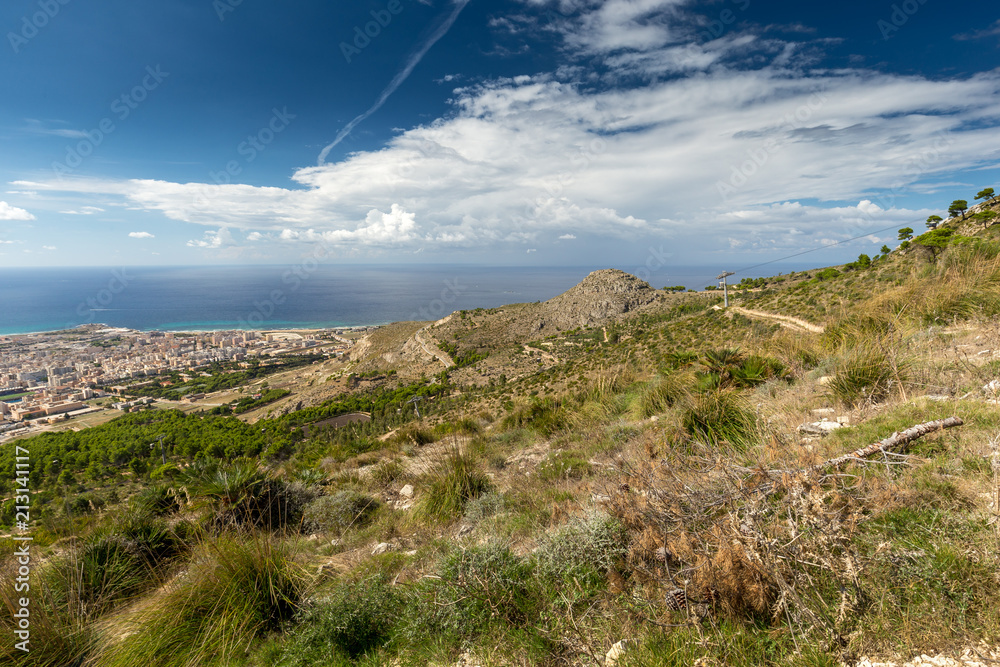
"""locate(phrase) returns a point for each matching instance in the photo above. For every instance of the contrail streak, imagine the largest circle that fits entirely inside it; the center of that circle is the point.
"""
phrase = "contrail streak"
(397, 80)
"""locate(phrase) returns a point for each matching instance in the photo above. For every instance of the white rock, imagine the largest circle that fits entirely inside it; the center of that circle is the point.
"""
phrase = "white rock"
(992, 388)
(820, 428)
(823, 411)
(406, 491)
(825, 380)
(617, 652)
(381, 548)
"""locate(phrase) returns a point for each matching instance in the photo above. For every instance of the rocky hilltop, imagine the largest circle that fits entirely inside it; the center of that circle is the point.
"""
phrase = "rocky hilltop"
(600, 297)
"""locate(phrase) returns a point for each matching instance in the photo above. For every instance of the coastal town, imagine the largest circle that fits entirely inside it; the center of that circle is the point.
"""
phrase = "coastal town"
(52, 377)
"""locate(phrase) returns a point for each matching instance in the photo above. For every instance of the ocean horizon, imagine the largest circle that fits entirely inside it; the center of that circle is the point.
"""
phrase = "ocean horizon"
(205, 298)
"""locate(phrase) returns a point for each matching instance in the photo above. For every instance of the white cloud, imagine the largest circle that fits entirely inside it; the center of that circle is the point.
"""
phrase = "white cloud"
(992, 31)
(49, 247)
(725, 152)
(141, 235)
(218, 239)
(85, 210)
(8, 212)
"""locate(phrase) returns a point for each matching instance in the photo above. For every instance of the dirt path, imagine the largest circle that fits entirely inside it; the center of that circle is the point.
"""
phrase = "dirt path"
(793, 323)
(433, 351)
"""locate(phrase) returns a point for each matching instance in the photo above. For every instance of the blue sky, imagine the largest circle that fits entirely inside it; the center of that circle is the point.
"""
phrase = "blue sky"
(563, 132)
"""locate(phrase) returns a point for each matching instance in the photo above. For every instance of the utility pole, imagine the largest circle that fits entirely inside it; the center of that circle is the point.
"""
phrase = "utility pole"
(159, 439)
(725, 286)
(414, 401)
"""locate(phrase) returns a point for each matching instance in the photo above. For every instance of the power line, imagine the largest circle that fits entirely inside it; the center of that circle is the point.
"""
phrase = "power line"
(823, 247)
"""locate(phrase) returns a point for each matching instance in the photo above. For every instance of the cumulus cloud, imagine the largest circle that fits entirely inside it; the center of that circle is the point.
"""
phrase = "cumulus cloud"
(141, 235)
(731, 146)
(567, 237)
(85, 210)
(8, 212)
(217, 239)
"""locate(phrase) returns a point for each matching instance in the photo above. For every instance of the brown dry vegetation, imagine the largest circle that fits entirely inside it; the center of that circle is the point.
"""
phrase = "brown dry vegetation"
(557, 510)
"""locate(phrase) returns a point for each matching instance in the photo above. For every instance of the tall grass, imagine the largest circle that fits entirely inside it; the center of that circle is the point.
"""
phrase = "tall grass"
(237, 587)
(723, 416)
(963, 284)
(661, 393)
(452, 483)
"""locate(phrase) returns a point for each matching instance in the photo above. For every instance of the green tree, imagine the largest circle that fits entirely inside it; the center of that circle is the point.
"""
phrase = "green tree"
(935, 240)
(959, 206)
(985, 217)
(905, 234)
(863, 262)
(933, 221)
(138, 466)
(885, 250)
(986, 194)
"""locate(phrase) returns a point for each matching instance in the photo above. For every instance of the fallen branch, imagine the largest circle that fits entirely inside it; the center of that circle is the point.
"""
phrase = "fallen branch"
(895, 441)
(892, 442)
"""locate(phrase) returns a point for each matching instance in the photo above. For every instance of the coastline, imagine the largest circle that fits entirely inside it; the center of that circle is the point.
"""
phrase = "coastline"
(107, 327)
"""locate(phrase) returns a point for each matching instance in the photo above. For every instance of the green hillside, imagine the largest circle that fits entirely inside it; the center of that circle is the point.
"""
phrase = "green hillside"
(655, 473)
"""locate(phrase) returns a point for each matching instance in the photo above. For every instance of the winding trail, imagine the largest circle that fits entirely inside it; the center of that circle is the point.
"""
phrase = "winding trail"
(434, 351)
(793, 323)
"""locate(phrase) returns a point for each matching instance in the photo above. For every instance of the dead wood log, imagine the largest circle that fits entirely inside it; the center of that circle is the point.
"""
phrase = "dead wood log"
(896, 441)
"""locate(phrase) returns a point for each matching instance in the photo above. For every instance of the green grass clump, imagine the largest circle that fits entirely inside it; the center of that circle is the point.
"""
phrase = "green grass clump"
(544, 416)
(236, 589)
(345, 509)
(452, 484)
(113, 564)
(660, 393)
(721, 416)
(866, 373)
(242, 495)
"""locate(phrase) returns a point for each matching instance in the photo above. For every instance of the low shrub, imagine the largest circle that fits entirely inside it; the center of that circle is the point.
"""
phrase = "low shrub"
(486, 506)
(483, 587)
(356, 619)
(563, 465)
(345, 509)
(584, 550)
(386, 472)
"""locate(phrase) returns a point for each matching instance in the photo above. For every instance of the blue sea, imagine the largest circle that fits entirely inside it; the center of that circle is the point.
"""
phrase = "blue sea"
(277, 297)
